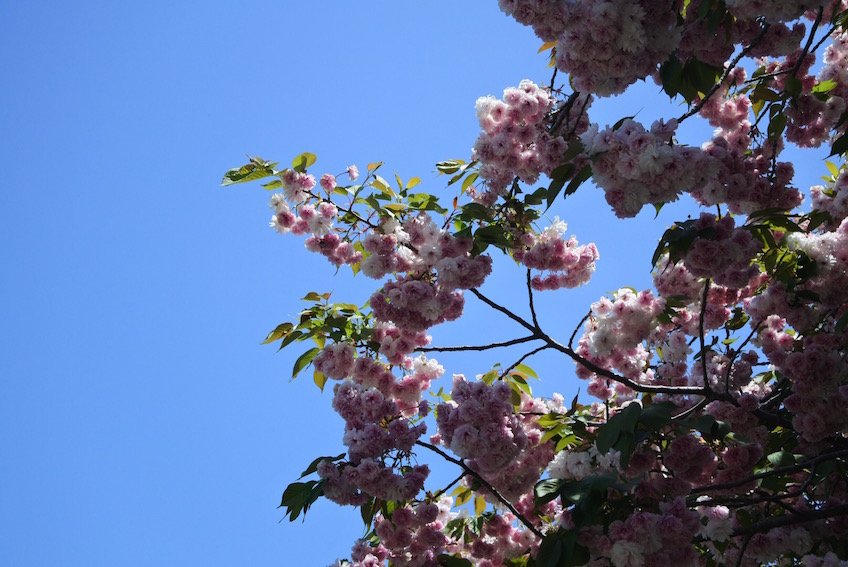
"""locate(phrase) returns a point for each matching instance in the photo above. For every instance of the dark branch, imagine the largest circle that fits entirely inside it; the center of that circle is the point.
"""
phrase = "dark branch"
(486, 485)
(477, 347)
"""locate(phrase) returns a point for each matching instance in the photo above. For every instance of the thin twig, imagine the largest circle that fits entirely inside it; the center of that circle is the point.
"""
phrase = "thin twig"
(742, 550)
(486, 485)
(792, 519)
(478, 347)
(530, 299)
(809, 41)
(449, 486)
(506, 312)
(525, 357)
(778, 471)
(577, 328)
(695, 109)
(701, 333)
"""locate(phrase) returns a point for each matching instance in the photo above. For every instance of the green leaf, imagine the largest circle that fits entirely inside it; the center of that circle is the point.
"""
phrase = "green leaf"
(781, 459)
(278, 333)
(320, 379)
(299, 496)
(582, 175)
(559, 176)
(550, 551)
(824, 87)
(450, 166)
(793, 86)
(468, 181)
(313, 466)
(776, 126)
(840, 145)
(271, 185)
(256, 169)
(671, 73)
(381, 184)
(492, 234)
(304, 360)
(656, 416)
(547, 490)
(623, 422)
(412, 182)
(526, 370)
(304, 160)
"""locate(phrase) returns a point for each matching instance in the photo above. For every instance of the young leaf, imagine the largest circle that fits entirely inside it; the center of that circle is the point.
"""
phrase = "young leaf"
(304, 160)
(320, 379)
(304, 360)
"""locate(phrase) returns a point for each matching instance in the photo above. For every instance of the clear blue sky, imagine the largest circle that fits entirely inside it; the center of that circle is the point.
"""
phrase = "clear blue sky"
(141, 422)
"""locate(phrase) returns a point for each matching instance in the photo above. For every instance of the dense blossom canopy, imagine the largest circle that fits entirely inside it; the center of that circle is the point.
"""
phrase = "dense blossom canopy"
(719, 430)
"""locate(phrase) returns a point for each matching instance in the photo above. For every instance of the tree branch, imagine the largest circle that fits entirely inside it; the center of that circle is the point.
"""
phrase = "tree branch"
(791, 519)
(477, 347)
(486, 485)
(530, 300)
(697, 108)
(778, 471)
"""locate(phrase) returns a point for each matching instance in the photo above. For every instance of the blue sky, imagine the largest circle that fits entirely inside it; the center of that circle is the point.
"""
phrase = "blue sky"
(141, 422)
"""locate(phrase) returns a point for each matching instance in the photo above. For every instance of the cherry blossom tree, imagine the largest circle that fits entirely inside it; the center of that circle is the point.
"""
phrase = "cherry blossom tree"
(718, 434)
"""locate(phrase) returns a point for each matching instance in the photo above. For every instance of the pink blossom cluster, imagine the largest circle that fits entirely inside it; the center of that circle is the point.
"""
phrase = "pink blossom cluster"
(833, 197)
(811, 119)
(297, 185)
(548, 19)
(730, 115)
(414, 537)
(773, 11)
(518, 478)
(608, 45)
(635, 167)
(385, 256)
(600, 60)
(573, 264)
(450, 256)
(479, 424)
(415, 305)
(420, 245)
(673, 350)
(335, 360)
(354, 485)
(371, 423)
(749, 179)
(819, 399)
(722, 252)
(700, 40)
(396, 344)
(319, 221)
(674, 279)
(765, 548)
(409, 389)
(691, 459)
(736, 463)
(776, 307)
(647, 538)
(500, 540)
(623, 322)
(373, 428)
(515, 140)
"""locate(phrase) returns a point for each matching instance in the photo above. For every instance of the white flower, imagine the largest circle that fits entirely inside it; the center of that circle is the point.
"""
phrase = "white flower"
(626, 554)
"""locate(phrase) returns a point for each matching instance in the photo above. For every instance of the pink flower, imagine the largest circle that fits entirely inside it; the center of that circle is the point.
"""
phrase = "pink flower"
(328, 182)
